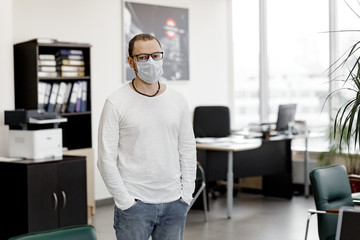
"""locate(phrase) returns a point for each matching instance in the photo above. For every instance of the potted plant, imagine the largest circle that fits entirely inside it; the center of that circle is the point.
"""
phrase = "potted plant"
(345, 133)
(346, 130)
(339, 151)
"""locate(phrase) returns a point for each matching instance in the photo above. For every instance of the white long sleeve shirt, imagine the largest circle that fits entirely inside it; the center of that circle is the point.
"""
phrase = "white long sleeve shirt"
(147, 148)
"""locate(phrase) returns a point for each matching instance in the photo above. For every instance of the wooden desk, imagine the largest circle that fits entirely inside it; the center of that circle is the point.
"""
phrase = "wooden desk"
(229, 146)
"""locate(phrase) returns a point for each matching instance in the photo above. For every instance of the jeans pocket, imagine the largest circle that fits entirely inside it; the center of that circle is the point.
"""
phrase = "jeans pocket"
(183, 202)
(137, 202)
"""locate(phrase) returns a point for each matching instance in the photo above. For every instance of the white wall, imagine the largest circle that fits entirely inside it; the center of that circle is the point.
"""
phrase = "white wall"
(98, 22)
(6, 70)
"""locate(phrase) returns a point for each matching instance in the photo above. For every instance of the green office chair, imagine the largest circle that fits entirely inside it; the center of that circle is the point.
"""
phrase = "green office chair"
(82, 232)
(332, 190)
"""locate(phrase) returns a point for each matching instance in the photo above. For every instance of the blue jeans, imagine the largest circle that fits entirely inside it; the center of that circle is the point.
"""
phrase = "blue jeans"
(163, 221)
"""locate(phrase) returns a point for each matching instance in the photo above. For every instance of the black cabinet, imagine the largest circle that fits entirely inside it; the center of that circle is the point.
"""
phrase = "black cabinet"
(28, 81)
(41, 195)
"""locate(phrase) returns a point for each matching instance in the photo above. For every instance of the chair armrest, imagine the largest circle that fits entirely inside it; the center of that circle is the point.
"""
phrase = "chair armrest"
(356, 196)
(202, 172)
(313, 211)
(354, 177)
(332, 211)
(327, 211)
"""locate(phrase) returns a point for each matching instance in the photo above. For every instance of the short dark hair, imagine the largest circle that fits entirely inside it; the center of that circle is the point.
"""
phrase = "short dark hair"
(142, 37)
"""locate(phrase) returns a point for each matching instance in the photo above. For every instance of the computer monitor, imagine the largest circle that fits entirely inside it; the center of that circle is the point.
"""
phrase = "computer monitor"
(348, 224)
(286, 114)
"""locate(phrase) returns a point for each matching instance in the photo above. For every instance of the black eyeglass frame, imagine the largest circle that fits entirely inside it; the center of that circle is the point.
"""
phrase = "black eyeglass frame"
(148, 56)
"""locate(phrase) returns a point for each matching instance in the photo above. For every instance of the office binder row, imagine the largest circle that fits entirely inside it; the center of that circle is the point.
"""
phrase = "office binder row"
(70, 63)
(63, 97)
(47, 66)
(65, 63)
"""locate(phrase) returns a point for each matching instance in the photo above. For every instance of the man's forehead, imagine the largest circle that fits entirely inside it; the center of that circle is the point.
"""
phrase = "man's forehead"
(146, 45)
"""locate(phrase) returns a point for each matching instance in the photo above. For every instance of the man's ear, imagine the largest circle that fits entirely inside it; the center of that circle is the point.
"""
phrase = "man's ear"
(131, 62)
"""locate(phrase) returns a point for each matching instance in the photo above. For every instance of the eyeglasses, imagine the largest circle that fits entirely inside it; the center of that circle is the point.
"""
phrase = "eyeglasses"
(156, 56)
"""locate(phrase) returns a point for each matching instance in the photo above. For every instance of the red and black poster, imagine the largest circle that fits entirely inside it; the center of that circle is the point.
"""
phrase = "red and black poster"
(170, 26)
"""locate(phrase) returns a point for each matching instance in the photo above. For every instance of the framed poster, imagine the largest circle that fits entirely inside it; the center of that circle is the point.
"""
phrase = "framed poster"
(170, 26)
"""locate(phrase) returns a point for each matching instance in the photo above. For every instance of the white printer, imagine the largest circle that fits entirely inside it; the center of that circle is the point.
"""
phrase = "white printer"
(34, 134)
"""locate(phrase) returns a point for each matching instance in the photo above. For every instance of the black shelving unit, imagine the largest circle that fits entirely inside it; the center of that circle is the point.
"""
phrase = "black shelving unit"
(77, 130)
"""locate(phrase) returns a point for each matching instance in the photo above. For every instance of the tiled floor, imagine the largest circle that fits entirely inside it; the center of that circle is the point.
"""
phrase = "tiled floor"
(254, 218)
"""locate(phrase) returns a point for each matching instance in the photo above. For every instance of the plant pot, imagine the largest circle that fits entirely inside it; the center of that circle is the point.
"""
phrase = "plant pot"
(354, 182)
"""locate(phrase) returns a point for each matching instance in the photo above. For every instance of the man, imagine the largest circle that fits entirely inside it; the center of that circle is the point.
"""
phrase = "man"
(147, 154)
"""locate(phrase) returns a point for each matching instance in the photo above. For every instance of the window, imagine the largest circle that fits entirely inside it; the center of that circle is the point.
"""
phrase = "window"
(298, 57)
(347, 21)
(246, 62)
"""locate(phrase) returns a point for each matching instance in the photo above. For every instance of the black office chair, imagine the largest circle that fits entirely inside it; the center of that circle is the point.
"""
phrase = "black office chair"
(332, 190)
(200, 180)
(212, 121)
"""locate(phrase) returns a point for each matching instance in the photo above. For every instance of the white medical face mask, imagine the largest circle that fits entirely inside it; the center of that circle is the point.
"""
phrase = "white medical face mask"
(150, 71)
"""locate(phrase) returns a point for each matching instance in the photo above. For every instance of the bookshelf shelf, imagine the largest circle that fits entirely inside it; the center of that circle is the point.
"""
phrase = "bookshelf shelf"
(75, 113)
(29, 86)
(63, 78)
